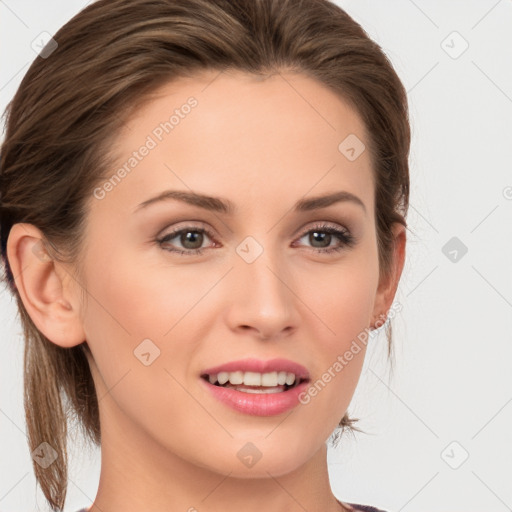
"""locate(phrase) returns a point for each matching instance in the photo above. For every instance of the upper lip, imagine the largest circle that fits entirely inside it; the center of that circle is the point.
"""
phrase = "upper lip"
(260, 366)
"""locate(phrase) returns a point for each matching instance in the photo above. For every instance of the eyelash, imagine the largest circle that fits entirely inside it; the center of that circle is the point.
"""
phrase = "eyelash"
(347, 240)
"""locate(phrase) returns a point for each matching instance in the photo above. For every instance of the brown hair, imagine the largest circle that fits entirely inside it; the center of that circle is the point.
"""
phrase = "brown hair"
(72, 101)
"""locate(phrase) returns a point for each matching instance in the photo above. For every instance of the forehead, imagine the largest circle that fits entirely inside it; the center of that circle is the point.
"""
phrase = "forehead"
(227, 132)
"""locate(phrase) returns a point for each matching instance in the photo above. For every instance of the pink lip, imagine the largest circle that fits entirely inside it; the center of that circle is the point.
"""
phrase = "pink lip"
(259, 404)
(260, 366)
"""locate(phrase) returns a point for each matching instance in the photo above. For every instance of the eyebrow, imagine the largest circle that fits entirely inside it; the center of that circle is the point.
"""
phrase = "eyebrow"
(220, 205)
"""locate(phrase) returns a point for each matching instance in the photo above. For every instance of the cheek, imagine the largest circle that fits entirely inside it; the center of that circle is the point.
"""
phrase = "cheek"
(340, 299)
(339, 355)
(132, 299)
(138, 298)
(125, 309)
(342, 295)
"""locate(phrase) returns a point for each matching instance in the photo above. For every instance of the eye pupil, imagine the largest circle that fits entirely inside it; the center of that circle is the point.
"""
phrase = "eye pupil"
(322, 238)
(192, 236)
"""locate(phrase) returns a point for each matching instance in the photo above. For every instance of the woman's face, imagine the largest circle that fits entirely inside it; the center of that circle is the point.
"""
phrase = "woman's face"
(159, 314)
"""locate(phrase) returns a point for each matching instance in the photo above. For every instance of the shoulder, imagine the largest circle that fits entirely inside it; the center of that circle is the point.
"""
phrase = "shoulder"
(361, 508)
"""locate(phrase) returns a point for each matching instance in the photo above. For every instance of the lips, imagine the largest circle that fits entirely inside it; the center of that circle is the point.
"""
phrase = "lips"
(256, 400)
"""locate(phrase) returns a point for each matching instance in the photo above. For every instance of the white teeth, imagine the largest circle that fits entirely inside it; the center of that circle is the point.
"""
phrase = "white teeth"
(223, 377)
(290, 379)
(259, 391)
(270, 379)
(236, 377)
(252, 379)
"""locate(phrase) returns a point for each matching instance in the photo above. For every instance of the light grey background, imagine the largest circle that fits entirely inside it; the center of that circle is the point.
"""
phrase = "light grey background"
(451, 395)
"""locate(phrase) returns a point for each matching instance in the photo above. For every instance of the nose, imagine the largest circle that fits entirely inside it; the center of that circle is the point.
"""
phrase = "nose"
(262, 300)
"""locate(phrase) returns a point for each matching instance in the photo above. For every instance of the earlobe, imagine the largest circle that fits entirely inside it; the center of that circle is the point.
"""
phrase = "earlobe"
(387, 287)
(43, 287)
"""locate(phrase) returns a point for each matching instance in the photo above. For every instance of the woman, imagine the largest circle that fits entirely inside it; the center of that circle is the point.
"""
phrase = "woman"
(202, 215)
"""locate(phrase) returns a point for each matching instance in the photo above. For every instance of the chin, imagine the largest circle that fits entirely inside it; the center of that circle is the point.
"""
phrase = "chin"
(261, 458)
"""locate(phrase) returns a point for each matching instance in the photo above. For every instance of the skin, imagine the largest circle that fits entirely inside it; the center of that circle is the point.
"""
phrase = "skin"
(263, 144)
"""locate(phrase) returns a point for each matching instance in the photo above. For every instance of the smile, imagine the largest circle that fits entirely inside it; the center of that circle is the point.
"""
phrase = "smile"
(257, 387)
(254, 382)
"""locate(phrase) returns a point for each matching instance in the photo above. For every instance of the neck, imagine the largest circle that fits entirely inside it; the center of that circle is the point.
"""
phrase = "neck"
(139, 474)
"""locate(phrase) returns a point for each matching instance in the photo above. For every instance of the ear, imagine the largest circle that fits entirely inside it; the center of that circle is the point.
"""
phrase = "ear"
(388, 284)
(45, 287)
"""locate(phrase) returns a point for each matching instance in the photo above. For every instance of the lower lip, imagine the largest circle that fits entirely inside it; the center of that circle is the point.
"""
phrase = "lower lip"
(264, 404)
